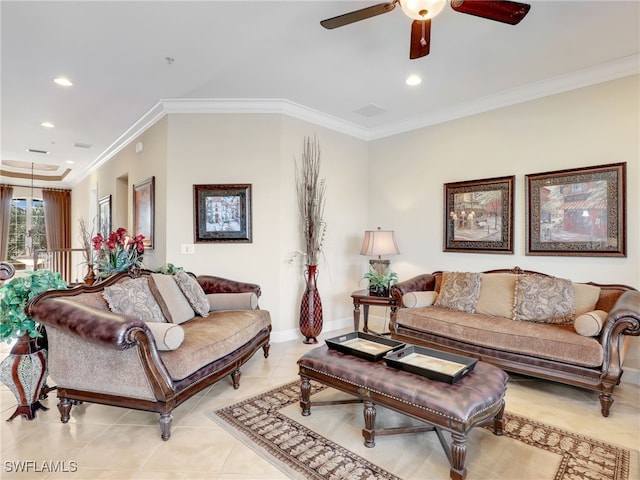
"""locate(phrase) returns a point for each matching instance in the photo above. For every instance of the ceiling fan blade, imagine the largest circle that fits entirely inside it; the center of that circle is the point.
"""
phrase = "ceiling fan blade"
(500, 11)
(357, 15)
(420, 38)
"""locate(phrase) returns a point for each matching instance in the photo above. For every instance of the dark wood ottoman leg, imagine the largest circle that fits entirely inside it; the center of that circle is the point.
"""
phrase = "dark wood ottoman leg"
(369, 430)
(305, 394)
(498, 422)
(458, 456)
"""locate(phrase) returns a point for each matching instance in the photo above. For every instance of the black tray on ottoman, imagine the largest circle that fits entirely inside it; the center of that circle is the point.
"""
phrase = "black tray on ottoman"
(363, 345)
(430, 363)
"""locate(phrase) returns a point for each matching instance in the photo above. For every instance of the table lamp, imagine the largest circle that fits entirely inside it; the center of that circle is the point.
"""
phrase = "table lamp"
(377, 243)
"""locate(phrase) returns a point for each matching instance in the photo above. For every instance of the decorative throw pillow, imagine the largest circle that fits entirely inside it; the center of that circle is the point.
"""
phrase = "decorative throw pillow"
(194, 293)
(590, 324)
(543, 299)
(419, 299)
(586, 297)
(168, 336)
(497, 292)
(134, 298)
(232, 301)
(175, 306)
(459, 291)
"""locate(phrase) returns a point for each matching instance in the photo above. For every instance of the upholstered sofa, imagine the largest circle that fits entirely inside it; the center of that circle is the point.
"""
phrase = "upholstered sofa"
(149, 341)
(524, 322)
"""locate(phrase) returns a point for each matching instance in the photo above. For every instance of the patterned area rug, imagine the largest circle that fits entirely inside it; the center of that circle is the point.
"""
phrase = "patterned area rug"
(271, 424)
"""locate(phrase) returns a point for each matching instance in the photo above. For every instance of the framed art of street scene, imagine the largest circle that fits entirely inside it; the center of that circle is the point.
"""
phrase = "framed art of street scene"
(144, 210)
(577, 212)
(104, 215)
(222, 213)
(478, 216)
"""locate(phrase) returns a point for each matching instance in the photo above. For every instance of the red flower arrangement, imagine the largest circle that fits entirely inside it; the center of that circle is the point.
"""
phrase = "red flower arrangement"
(118, 252)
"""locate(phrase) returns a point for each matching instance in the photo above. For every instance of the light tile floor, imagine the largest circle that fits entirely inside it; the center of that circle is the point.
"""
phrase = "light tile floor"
(115, 443)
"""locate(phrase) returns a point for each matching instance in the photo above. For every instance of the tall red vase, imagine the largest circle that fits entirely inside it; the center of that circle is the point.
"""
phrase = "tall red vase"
(311, 308)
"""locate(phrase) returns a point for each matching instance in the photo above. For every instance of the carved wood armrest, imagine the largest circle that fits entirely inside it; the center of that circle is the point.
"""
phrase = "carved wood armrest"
(212, 284)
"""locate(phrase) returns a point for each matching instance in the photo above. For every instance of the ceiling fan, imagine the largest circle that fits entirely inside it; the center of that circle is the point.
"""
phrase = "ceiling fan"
(422, 11)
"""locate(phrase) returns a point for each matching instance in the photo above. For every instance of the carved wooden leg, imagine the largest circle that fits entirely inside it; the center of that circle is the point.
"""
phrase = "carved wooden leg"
(165, 425)
(458, 455)
(606, 400)
(498, 422)
(265, 350)
(64, 407)
(369, 430)
(235, 378)
(305, 394)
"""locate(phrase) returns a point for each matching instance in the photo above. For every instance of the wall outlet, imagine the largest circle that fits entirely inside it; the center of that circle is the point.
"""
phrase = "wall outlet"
(187, 249)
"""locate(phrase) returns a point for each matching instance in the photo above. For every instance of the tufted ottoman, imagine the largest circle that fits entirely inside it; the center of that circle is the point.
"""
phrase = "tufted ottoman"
(476, 399)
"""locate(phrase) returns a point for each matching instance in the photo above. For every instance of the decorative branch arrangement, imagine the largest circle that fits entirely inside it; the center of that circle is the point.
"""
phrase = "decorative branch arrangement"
(86, 234)
(311, 199)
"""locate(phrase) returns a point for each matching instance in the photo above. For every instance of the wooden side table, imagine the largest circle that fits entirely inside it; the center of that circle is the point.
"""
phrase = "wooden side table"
(362, 297)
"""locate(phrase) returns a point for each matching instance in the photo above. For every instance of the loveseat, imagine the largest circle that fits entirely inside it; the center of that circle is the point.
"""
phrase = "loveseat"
(523, 321)
(149, 341)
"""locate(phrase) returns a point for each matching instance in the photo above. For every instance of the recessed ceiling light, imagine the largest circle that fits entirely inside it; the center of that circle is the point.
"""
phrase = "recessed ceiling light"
(70, 162)
(47, 125)
(413, 80)
(65, 82)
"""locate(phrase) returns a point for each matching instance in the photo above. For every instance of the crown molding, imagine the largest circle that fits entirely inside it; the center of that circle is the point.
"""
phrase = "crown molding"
(140, 126)
(612, 70)
(260, 105)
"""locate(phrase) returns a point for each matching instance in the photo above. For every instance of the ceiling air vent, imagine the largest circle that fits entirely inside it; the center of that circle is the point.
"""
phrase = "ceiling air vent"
(82, 145)
(370, 110)
(33, 150)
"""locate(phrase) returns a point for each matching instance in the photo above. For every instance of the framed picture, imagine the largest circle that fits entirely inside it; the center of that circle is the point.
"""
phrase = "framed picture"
(222, 213)
(478, 216)
(104, 216)
(144, 210)
(577, 212)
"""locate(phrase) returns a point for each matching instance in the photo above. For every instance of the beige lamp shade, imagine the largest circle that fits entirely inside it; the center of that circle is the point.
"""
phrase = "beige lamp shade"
(379, 242)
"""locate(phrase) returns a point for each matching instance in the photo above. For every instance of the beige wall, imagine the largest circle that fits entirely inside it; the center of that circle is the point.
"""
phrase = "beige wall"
(259, 150)
(591, 126)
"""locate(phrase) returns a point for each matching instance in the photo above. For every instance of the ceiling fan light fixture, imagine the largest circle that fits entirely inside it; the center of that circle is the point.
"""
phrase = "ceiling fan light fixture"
(422, 9)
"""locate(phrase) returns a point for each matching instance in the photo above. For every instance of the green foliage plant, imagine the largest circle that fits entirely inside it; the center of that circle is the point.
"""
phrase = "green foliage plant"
(169, 269)
(14, 297)
(381, 279)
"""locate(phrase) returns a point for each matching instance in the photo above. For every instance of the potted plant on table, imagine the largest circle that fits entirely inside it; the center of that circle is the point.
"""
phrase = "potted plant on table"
(379, 282)
(24, 370)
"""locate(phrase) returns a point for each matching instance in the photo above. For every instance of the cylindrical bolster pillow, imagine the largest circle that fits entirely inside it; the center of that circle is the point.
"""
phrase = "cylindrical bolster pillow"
(232, 301)
(168, 336)
(419, 299)
(590, 323)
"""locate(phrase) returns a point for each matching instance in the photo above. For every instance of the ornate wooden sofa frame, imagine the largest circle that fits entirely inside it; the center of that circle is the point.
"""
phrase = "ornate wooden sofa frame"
(620, 301)
(101, 357)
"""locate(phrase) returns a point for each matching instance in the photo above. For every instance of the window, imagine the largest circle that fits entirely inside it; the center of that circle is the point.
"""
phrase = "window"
(26, 227)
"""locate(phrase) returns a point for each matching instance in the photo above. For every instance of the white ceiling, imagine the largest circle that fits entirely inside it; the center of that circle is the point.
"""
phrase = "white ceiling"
(275, 56)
